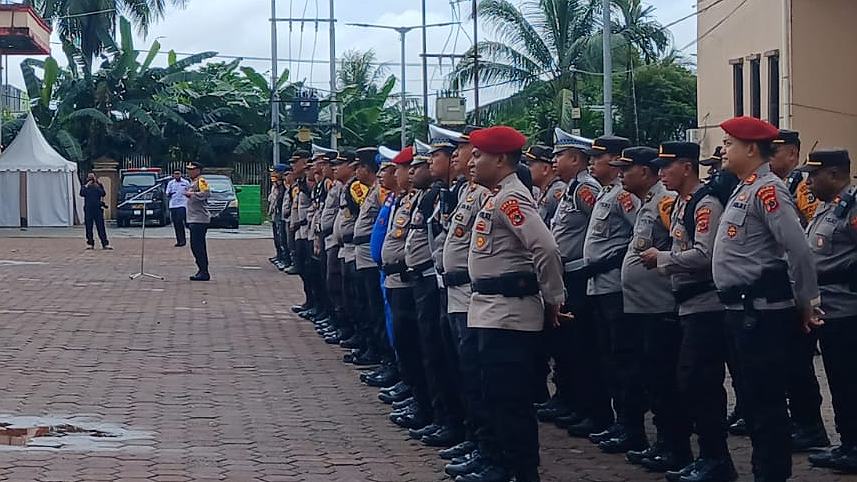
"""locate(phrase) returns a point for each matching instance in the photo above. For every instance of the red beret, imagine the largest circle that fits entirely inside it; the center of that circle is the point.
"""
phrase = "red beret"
(750, 129)
(405, 156)
(498, 140)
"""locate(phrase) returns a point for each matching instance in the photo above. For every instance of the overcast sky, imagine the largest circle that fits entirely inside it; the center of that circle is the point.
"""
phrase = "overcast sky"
(242, 29)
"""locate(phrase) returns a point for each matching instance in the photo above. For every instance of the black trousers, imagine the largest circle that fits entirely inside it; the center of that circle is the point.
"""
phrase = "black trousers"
(178, 216)
(804, 394)
(469, 380)
(198, 246)
(284, 242)
(662, 344)
(450, 334)
(506, 366)
(352, 302)
(95, 217)
(276, 230)
(761, 338)
(628, 338)
(303, 263)
(701, 372)
(838, 342)
(318, 278)
(427, 303)
(373, 322)
(408, 349)
(608, 314)
(333, 281)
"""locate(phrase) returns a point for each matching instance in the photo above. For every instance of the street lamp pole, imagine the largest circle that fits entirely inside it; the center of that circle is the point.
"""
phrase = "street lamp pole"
(275, 96)
(608, 68)
(402, 33)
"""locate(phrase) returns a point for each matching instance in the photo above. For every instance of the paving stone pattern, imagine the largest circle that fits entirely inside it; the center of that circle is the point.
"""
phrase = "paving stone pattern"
(227, 382)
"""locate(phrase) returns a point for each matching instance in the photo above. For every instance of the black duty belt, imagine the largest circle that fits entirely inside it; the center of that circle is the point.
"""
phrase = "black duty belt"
(414, 273)
(456, 278)
(512, 285)
(302, 223)
(326, 232)
(358, 240)
(773, 286)
(605, 265)
(348, 238)
(395, 268)
(841, 277)
(692, 290)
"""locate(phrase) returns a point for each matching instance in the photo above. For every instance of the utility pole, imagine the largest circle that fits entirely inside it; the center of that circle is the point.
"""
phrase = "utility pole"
(275, 97)
(608, 68)
(402, 33)
(334, 124)
(425, 67)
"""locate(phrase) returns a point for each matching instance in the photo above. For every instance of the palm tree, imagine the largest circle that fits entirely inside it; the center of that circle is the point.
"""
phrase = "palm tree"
(544, 41)
(357, 69)
(87, 28)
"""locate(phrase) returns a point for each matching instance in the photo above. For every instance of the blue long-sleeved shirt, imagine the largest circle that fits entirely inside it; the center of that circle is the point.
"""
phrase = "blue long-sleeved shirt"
(379, 230)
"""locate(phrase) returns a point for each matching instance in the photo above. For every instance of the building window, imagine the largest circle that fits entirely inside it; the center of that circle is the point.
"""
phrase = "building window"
(774, 88)
(738, 86)
(755, 87)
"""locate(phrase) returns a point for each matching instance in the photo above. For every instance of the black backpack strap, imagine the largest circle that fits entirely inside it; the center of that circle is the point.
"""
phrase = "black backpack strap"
(793, 181)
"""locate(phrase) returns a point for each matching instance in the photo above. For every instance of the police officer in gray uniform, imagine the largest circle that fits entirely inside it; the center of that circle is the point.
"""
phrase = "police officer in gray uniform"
(759, 247)
(330, 245)
(516, 275)
(610, 228)
(550, 186)
(343, 232)
(832, 236)
(299, 226)
(701, 398)
(646, 347)
(581, 397)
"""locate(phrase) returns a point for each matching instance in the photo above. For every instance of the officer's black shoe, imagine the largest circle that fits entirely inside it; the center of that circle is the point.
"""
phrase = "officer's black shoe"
(332, 339)
(624, 442)
(409, 410)
(404, 403)
(200, 277)
(459, 450)
(351, 342)
(549, 414)
(272, 259)
(423, 431)
(568, 420)
(414, 420)
(278, 264)
(739, 428)
(474, 463)
(676, 475)
(488, 473)
(530, 475)
(308, 314)
(846, 461)
(586, 427)
(386, 379)
(809, 438)
(668, 460)
(394, 396)
(367, 358)
(445, 437)
(398, 386)
(825, 459)
(300, 308)
(635, 457)
(612, 431)
(711, 470)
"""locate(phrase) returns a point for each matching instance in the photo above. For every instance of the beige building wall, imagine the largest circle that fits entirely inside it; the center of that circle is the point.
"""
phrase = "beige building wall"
(822, 66)
(754, 28)
(824, 74)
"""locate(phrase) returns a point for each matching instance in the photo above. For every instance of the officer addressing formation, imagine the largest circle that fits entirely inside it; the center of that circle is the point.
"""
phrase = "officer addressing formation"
(473, 270)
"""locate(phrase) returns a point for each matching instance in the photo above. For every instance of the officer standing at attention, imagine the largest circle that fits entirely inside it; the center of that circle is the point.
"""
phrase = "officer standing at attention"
(540, 159)
(198, 219)
(333, 267)
(352, 195)
(580, 396)
(760, 246)
(457, 281)
(516, 275)
(610, 228)
(648, 336)
(832, 236)
(702, 356)
(299, 226)
(804, 394)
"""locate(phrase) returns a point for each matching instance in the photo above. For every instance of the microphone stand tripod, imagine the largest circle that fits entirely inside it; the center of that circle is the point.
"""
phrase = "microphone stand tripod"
(145, 202)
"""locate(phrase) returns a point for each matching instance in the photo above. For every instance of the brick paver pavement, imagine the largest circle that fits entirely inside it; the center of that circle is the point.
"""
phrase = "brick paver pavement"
(221, 380)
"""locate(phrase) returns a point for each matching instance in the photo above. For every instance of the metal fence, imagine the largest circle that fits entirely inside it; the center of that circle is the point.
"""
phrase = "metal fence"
(248, 172)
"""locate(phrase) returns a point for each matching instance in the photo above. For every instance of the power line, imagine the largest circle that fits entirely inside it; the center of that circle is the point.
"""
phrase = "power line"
(716, 25)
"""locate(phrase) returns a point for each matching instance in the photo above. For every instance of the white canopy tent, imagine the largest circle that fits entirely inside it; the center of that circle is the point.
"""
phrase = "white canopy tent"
(36, 183)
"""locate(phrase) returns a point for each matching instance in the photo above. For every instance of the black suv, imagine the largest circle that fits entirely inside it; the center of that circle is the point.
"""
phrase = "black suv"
(131, 183)
(223, 202)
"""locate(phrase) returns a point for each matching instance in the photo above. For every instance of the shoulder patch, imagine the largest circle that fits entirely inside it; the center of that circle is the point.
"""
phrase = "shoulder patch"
(665, 209)
(703, 220)
(751, 179)
(203, 184)
(512, 210)
(768, 196)
(586, 195)
(626, 201)
(358, 192)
